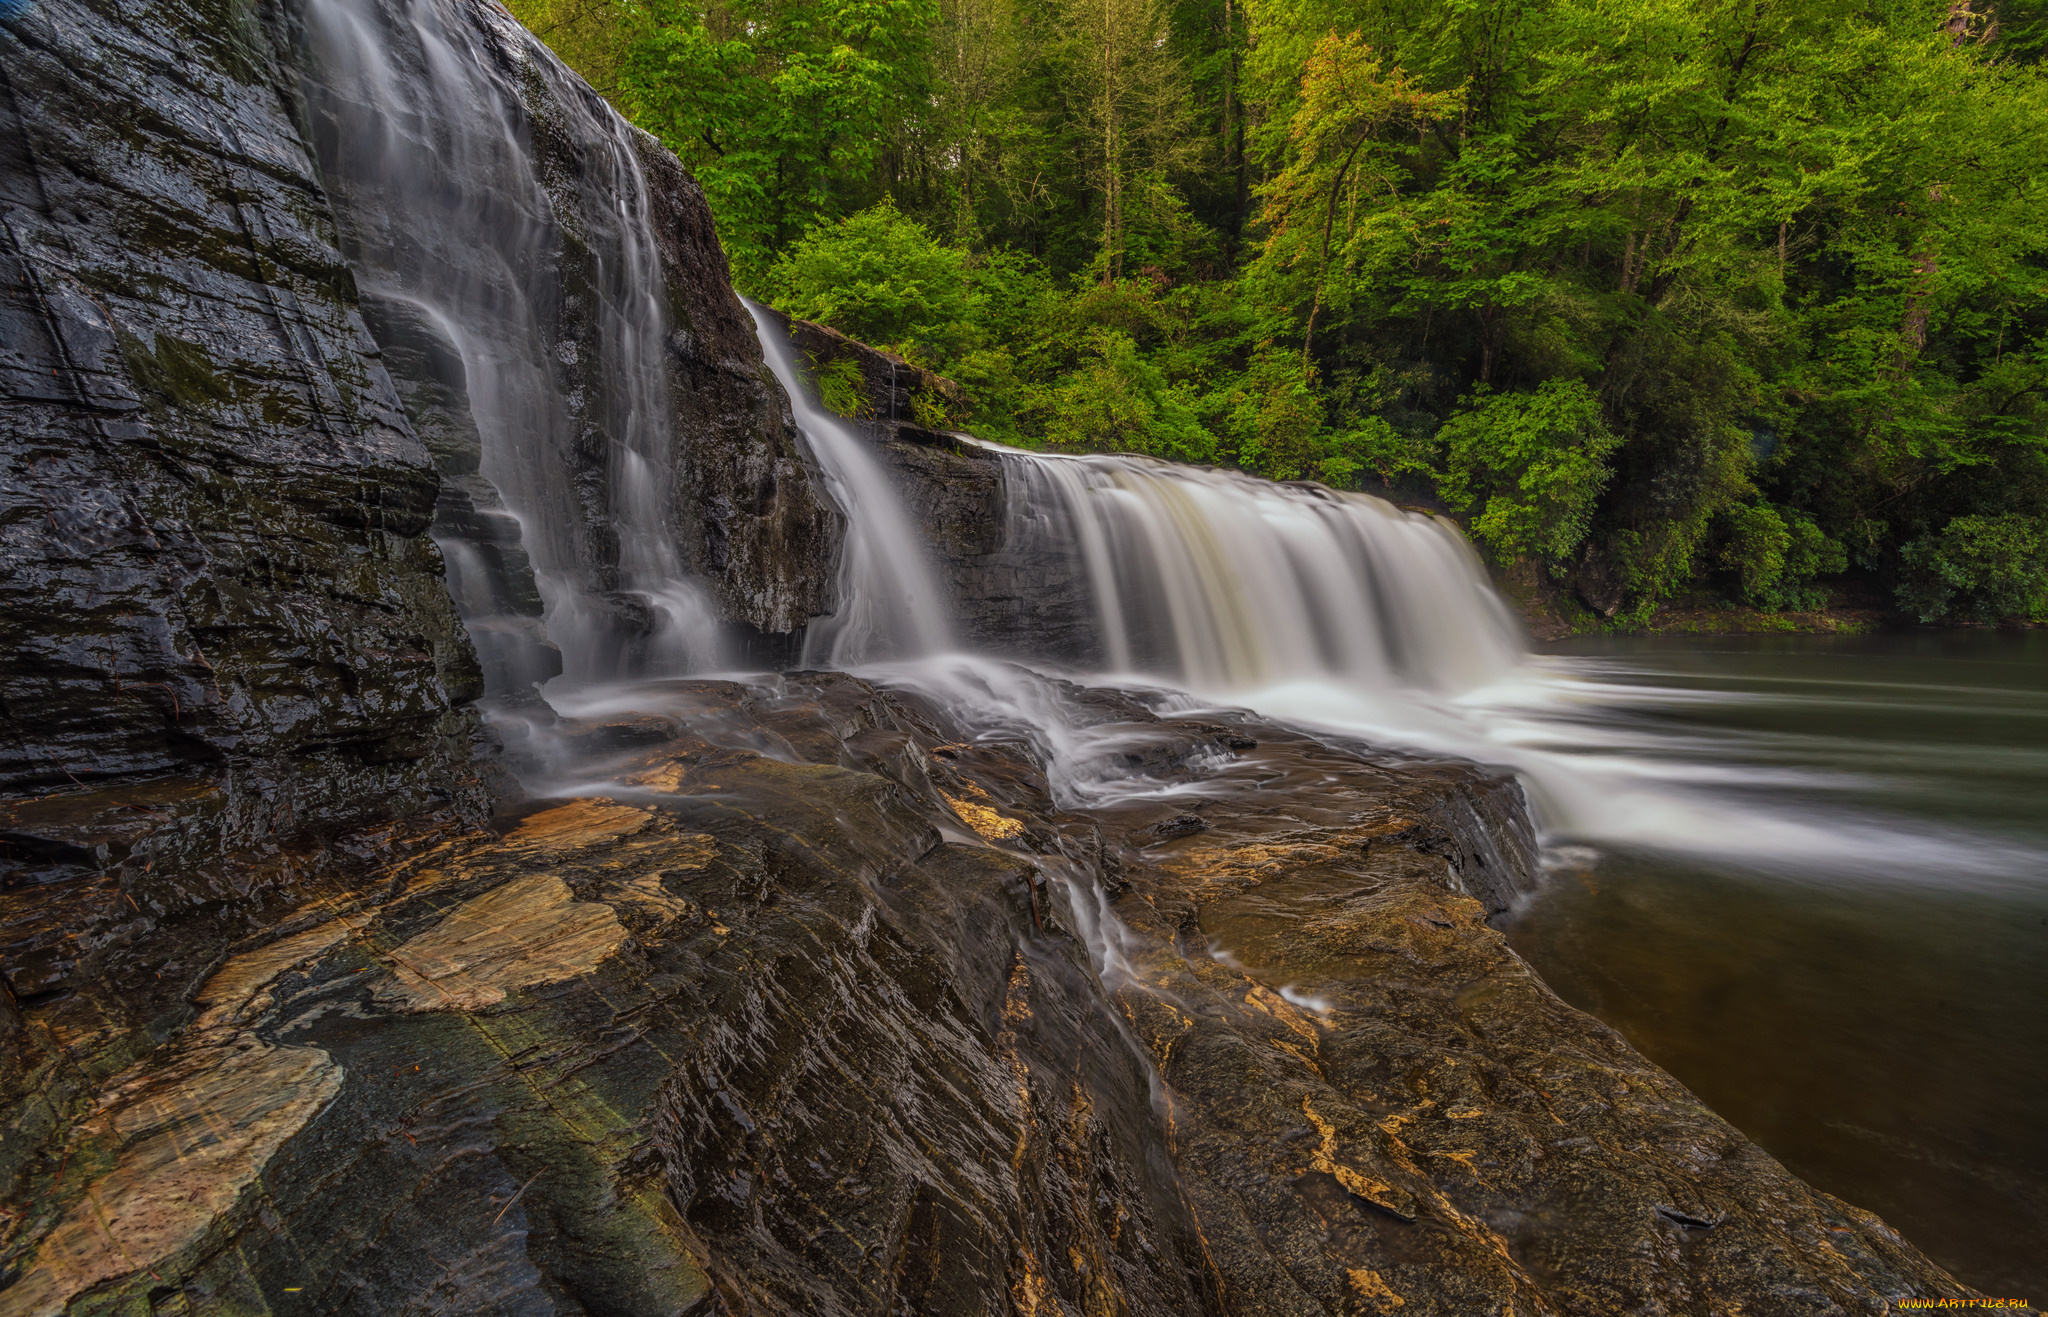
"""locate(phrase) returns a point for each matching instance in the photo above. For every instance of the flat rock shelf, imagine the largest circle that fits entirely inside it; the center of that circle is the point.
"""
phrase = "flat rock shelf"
(813, 1003)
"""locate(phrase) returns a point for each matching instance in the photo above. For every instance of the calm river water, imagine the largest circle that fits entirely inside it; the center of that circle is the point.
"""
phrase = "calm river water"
(1880, 1025)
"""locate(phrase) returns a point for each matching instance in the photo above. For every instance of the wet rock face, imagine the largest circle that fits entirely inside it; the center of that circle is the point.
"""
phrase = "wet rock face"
(533, 334)
(222, 624)
(761, 529)
(828, 1007)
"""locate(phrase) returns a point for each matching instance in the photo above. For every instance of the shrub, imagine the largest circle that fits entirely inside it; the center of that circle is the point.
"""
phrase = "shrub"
(1977, 569)
(881, 278)
(1776, 554)
(1534, 463)
(841, 388)
(1758, 540)
(1118, 401)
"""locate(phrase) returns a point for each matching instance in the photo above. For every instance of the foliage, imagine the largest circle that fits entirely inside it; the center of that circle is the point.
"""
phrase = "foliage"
(1118, 401)
(782, 108)
(1533, 462)
(841, 388)
(1690, 293)
(1776, 555)
(1978, 569)
(878, 277)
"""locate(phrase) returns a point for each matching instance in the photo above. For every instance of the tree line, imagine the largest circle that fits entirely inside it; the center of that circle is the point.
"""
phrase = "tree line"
(1668, 297)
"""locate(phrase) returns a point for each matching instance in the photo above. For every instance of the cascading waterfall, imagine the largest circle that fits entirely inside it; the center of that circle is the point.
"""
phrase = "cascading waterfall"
(536, 297)
(529, 292)
(890, 606)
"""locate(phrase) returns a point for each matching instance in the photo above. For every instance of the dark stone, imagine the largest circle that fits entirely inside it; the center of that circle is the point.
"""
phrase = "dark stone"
(223, 628)
(1599, 583)
(892, 391)
(1180, 825)
(764, 535)
(762, 1040)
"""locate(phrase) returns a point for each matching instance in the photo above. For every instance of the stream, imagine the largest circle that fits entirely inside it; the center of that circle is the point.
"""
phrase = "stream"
(1879, 1026)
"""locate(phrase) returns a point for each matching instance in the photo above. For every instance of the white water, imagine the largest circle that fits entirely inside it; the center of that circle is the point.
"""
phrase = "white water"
(1224, 583)
(890, 607)
(422, 124)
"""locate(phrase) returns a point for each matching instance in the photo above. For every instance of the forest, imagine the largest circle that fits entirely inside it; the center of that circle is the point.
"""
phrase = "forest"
(1742, 300)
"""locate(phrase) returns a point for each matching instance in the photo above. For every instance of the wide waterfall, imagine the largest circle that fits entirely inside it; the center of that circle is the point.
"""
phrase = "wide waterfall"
(1222, 582)
(1335, 611)
(528, 293)
(536, 299)
(1208, 579)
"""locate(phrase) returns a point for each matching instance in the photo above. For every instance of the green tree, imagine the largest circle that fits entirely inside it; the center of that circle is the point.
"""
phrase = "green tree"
(1534, 463)
(1978, 569)
(880, 277)
(782, 108)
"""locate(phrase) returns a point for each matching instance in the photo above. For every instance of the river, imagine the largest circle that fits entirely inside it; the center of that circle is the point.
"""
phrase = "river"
(1881, 1028)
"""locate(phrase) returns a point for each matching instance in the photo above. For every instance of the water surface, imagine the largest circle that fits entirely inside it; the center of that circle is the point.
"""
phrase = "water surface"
(1880, 1025)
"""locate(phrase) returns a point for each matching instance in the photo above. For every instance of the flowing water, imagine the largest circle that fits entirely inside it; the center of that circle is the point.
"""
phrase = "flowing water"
(890, 606)
(1221, 582)
(535, 294)
(1882, 1028)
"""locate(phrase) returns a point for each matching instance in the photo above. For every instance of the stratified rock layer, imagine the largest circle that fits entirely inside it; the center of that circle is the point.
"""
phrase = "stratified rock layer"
(222, 624)
(826, 1007)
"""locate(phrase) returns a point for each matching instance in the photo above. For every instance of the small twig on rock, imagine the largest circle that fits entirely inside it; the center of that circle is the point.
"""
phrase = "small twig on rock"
(515, 1198)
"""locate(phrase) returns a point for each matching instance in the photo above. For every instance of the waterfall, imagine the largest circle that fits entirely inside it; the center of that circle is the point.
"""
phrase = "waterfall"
(890, 605)
(526, 290)
(526, 295)
(497, 221)
(1224, 583)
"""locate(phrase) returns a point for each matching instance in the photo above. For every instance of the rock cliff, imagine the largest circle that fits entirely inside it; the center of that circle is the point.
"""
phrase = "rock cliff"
(230, 667)
(222, 624)
(558, 317)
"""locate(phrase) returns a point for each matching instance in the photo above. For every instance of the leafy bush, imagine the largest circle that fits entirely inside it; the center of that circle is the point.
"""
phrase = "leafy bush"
(928, 407)
(1755, 550)
(880, 278)
(1534, 462)
(1118, 401)
(1776, 554)
(1977, 569)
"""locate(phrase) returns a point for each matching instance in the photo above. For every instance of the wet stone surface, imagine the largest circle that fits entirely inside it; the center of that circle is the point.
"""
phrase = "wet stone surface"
(812, 1002)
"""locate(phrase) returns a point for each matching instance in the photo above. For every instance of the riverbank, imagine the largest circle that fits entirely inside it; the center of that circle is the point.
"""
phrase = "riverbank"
(1551, 612)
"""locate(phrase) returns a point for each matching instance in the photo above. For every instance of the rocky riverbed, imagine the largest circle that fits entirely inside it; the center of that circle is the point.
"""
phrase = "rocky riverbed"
(811, 1002)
